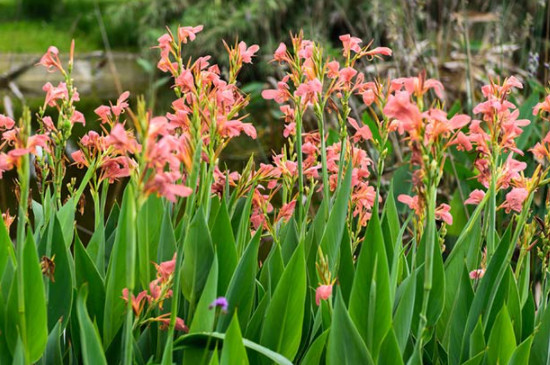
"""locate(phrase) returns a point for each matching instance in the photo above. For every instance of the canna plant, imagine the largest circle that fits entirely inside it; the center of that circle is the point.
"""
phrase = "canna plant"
(306, 259)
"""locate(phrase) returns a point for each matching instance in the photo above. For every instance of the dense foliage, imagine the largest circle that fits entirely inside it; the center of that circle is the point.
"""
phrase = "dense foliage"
(303, 260)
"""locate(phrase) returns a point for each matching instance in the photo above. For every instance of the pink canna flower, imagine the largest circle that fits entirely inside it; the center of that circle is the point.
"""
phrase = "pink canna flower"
(542, 106)
(514, 200)
(477, 274)
(475, 197)
(53, 94)
(103, 112)
(346, 74)
(185, 33)
(166, 269)
(362, 133)
(280, 53)
(6, 122)
(443, 213)
(384, 51)
(165, 323)
(245, 53)
(78, 117)
(122, 140)
(411, 201)
(137, 302)
(350, 44)
(323, 292)
(50, 59)
(406, 115)
(7, 162)
(309, 91)
(121, 104)
(286, 211)
(333, 69)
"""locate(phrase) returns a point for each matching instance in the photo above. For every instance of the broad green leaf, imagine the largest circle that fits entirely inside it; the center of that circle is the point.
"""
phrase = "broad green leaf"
(476, 360)
(502, 341)
(390, 223)
(389, 350)
(370, 306)
(453, 332)
(289, 240)
(345, 346)
(403, 315)
(477, 340)
(52, 355)
(528, 317)
(203, 320)
(66, 220)
(346, 268)
(86, 272)
(198, 254)
(6, 248)
(334, 228)
(240, 293)
(315, 350)
(96, 249)
(233, 351)
(92, 352)
(201, 339)
(282, 328)
(224, 242)
(165, 249)
(521, 353)
(34, 309)
(540, 350)
(60, 293)
(253, 330)
(488, 286)
(120, 272)
(272, 269)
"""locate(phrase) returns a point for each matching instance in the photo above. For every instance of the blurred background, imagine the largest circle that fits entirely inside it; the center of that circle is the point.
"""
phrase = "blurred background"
(462, 43)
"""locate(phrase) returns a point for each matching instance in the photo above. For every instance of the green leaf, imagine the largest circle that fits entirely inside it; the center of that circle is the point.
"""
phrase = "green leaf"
(240, 293)
(345, 346)
(203, 320)
(334, 229)
(502, 341)
(346, 268)
(86, 272)
(390, 223)
(166, 247)
(404, 314)
(370, 306)
(477, 340)
(60, 294)
(120, 272)
(540, 351)
(198, 254)
(282, 328)
(35, 317)
(201, 339)
(289, 240)
(96, 249)
(92, 352)
(315, 350)
(521, 353)
(66, 219)
(52, 355)
(233, 351)
(6, 248)
(224, 242)
(389, 351)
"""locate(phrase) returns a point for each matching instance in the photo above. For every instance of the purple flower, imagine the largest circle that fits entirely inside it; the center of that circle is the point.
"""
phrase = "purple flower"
(219, 302)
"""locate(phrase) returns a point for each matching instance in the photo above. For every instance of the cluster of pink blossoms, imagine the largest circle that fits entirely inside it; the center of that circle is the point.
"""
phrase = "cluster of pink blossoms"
(160, 289)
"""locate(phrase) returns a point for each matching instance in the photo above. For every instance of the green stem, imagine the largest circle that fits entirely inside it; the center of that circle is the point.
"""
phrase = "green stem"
(300, 167)
(428, 261)
(321, 124)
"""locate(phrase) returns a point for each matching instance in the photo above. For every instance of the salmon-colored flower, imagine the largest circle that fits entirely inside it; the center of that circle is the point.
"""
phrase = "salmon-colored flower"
(246, 53)
(350, 44)
(475, 197)
(137, 302)
(477, 274)
(185, 33)
(166, 268)
(309, 91)
(406, 115)
(514, 200)
(280, 53)
(443, 213)
(50, 59)
(323, 292)
(6, 122)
